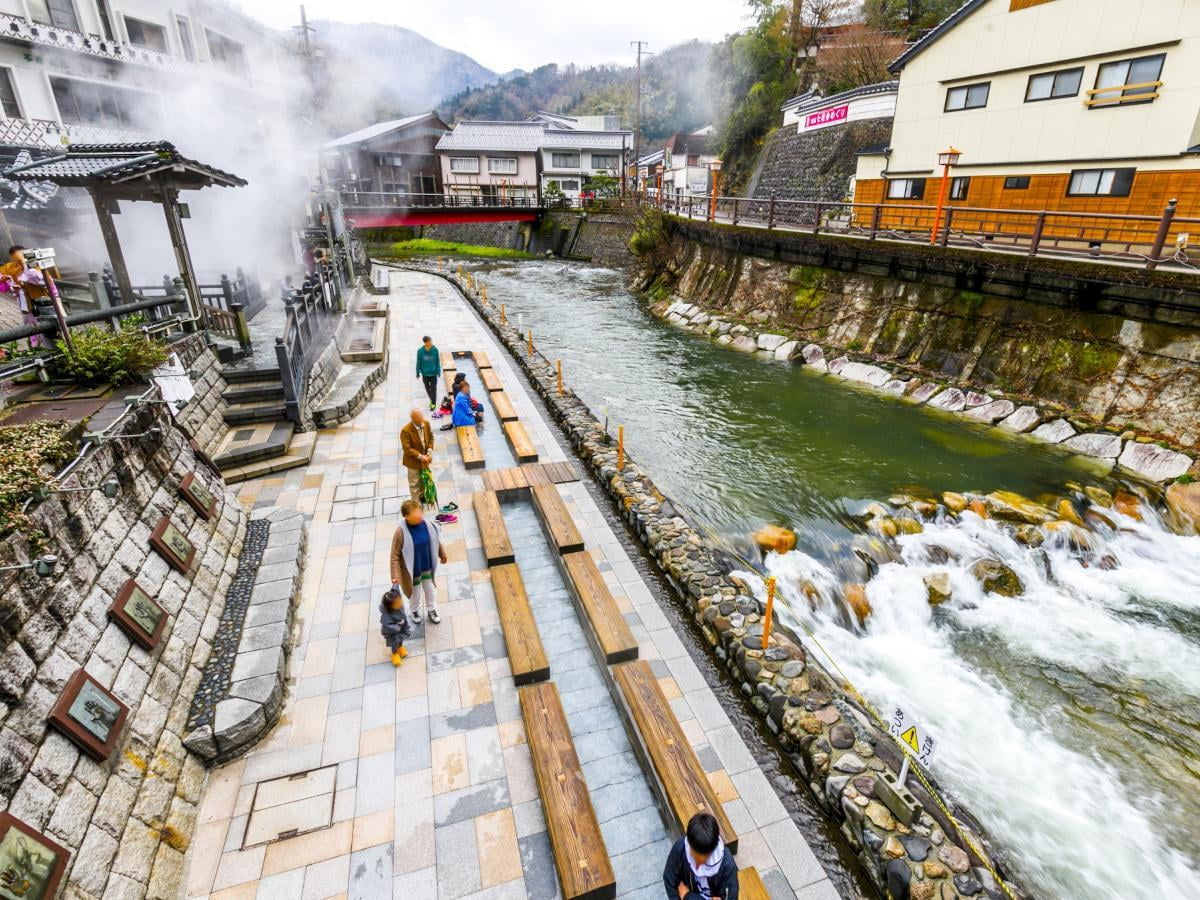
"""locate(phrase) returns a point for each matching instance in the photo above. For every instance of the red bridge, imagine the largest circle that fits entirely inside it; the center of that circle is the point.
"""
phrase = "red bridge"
(387, 210)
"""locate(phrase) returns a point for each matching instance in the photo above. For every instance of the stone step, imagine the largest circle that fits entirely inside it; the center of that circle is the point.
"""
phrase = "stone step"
(299, 453)
(259, 411)
(252, 442)
(250, 391)
(242, 374)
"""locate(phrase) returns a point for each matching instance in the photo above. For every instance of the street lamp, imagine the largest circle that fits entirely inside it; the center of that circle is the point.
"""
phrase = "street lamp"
(714, 168)
(946, 159)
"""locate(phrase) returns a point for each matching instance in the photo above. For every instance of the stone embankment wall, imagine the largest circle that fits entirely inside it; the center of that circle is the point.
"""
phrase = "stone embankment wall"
(905, 841)
(508, 235)
(815, 165)
(600, 237)
(127, 821)
(1109, 348)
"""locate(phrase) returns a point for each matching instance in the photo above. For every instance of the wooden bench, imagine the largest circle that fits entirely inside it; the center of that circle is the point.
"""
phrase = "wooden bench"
(518, 439)
(580, 856)
(613, 638)
(750, 885)
(521, 637)
(468, 444)
(503, 406)
(481, 359)
(448, 377)
(497, 548)
(491, 380)
(556, 518)
(678, 775)
(448, 361)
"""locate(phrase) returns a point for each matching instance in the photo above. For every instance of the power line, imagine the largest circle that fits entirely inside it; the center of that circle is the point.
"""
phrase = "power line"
(637, 115)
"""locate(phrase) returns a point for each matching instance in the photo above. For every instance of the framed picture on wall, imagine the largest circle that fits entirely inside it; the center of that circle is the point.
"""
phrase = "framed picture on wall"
(89, 715)
(139, 615)
(173, 545)
(198, 495)
(31, 865)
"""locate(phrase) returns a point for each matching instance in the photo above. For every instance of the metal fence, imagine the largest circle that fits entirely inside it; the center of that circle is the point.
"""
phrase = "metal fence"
(1149, 241)
(392, 200)
(312, 311)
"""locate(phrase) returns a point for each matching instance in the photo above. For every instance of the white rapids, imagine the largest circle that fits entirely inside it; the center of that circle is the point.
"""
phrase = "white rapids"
(1039, 768)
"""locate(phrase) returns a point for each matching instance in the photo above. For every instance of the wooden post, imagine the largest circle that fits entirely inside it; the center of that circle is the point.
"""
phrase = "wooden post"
(439, 266)
(170, 202)
(558, 366)
(483, 292)
(529, 340)
(112, 243)
(620, 447)
(1160, 239)
(769, 612)
(503, 317)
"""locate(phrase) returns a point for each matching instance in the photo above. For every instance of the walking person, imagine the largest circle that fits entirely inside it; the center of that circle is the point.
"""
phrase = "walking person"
(698, 866)
(429, 368)
(416, 444)
(416, 551)
(393, 624)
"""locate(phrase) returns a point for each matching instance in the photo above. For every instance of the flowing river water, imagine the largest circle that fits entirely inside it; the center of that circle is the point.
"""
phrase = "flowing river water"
(1067, 717)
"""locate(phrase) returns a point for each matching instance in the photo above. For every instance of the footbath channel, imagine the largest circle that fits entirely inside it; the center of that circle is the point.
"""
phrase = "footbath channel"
(633, 831)
(496, 450)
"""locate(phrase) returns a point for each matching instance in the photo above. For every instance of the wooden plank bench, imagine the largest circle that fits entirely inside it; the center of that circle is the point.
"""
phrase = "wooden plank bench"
(503, 406)
(491, 380)
(497, 548)
(518, 439)
(521, 637)
(750, 885)
(448, 377)
(556, 518)
(613, 638)
(468, 444)
(580, 856)
(481, 359)
(678, 775)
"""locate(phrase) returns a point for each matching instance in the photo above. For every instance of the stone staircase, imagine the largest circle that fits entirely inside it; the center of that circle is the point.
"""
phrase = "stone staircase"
(258, 437)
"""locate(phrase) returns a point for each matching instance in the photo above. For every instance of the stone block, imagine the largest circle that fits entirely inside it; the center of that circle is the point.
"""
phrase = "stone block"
(263, 637)
(90, 865)
(258, 662)
(1097, 444)
(771, 342)
(992, 412)
(237, 722)
(744, 344)
(865, 374)
(1024, 419)
(1054, 432)
(922, 392)
(950, 400)
(1154, 463)
(836, 365)
(201, 742)
(787, 351)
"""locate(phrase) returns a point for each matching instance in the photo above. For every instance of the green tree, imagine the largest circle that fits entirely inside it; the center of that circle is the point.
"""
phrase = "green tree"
(910, 15)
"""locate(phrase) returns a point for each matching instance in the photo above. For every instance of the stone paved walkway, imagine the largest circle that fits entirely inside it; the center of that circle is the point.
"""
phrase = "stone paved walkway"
(416, 782)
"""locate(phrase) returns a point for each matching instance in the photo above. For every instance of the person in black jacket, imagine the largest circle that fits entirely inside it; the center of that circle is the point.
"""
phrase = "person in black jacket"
(698, 866)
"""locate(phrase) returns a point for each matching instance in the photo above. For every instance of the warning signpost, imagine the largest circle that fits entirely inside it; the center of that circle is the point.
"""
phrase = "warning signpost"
(916, 741)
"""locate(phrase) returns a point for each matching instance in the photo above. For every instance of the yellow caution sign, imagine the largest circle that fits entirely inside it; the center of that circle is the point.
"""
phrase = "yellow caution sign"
(910, 737)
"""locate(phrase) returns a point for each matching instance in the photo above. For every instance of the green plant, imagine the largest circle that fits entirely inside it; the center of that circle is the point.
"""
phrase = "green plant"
(420, 246)
(100, 355)
(1184, 479)
(602, 185)
(28, 453)
(649, 233)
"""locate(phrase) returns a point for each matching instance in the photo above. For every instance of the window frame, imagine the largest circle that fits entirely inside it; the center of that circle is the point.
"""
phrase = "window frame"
(555, 156)
(143, 25)
(1054, 76)
(615, 157)
(912, 193)
(124, 115)
(493, 170)
(242, 68)
(1097, 98)
(966, 93)
(187, 40)
(6, 75)
(960, 186)
(106, 20)
(51, 19)
(473, 160)
(1016, 183)
(1122, 175)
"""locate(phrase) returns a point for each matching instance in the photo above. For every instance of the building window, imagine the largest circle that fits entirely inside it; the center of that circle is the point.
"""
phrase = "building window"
(8, 95)
(959, 187)
(185, 38)
(467, 164)
(502, 165)
(564, 160)
(105, 20)
(606, 161)
(59, 13)
(1128, 81)
(146, 34)
(226, 53)
(906, 188)
(1016, 183)
(1053, 85)
(89, 103)
(968, 96)
(569, 184)
(693, 159)
(1100, 183)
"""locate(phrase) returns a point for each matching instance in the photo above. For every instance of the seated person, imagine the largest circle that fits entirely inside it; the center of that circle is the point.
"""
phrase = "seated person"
(464, 408)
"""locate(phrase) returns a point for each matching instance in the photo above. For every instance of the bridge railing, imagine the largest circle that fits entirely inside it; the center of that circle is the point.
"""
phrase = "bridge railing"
(393, 200)
(1144, 240)
(312, 311)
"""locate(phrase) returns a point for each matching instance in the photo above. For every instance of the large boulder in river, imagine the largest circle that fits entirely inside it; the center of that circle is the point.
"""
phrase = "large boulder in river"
(856, 599)
(997, 578)
(1183, 500)
(1022, 420)
(1154, 463)
(744, 343)
(1012, 507)
(1054, 432)
(770, 342)
(787, 351)
(937, 588)
(812, 353)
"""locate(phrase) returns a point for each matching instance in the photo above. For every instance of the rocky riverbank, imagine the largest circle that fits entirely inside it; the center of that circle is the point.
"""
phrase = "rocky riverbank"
(908, 842)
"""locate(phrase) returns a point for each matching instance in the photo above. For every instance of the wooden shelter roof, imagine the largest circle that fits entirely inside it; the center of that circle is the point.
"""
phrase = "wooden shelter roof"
(130, 167)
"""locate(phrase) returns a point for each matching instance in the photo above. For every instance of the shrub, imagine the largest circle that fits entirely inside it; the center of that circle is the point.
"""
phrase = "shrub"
(649, 233)
(113, 357)
(28, 453)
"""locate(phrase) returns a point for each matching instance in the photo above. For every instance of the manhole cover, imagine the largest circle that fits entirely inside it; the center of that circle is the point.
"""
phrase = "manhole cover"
(292, 805)
(362, 491)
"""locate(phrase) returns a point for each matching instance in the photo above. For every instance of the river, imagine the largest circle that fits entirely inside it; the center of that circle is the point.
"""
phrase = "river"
(1067, 717)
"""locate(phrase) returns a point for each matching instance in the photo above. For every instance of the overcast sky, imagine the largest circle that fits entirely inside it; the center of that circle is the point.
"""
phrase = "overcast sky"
(523, 34)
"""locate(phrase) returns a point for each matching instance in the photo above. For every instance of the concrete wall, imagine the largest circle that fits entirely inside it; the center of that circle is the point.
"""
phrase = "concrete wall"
(126, 821)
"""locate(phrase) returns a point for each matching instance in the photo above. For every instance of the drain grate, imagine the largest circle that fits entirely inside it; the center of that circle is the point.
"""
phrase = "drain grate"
(291, 805)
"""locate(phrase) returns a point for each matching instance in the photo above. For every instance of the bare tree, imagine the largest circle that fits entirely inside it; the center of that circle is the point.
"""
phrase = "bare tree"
(808, 20)
(858, 55)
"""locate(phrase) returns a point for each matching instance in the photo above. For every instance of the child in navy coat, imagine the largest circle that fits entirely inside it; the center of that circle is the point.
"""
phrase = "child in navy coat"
(393, 624)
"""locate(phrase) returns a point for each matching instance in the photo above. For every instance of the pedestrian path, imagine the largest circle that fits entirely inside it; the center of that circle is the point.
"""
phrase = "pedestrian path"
(417, 782)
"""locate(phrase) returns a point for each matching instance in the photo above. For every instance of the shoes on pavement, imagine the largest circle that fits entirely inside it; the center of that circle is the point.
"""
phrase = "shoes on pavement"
(434, 617)
(449, 507)
(416, 616)
(446, 518)
(397, 658)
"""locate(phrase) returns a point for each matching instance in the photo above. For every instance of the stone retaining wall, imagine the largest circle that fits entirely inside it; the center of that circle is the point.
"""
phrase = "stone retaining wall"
(127, 821)
(814, 165)
(203, 418)
(905, 841)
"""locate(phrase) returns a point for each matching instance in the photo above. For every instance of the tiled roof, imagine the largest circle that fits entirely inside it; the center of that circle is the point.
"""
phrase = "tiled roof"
(651, 158)
(692, 144)
(933, 34)
(84, 165)
(808, 101)
(379, 128)
(587, 140)
(515, 137)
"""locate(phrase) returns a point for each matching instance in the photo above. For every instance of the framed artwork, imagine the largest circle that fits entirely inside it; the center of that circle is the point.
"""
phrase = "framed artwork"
(173, 545)
(139, 615)
(89, 715)
(200, 497)
(31, 865)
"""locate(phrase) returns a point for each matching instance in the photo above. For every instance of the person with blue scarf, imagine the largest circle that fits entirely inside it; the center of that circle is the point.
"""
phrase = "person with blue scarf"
(698, 866)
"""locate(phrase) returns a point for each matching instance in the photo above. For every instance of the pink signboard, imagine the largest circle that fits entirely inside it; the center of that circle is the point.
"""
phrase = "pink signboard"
(827, 116)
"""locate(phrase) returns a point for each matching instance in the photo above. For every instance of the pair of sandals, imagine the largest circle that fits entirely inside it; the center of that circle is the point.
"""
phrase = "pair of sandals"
(446, 514)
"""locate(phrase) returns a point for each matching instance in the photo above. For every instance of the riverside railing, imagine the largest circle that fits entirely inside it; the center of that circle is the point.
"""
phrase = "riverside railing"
(312, 310)
(1149, 241)
(392, 200)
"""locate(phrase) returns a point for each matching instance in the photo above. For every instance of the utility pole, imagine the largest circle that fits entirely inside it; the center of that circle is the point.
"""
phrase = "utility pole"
(637, 115)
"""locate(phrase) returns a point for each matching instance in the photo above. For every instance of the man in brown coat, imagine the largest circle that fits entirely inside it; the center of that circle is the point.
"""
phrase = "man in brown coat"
(416, 443)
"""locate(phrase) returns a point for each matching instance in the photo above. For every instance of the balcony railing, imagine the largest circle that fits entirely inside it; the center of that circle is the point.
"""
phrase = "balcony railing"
(50, 134)
(23, 31)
